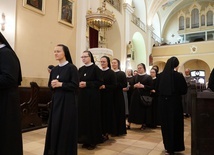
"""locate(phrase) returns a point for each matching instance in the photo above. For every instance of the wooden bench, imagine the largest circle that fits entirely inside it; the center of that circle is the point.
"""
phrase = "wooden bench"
(35, 104)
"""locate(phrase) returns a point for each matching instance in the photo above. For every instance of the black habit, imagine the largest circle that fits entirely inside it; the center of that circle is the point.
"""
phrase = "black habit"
(107, 102)
(130, 91)
(153, 112)
(119, 104)
(89, 116)
(61, 137)
(171, 85)
(10, 113)
(137, 111)
(211, 81)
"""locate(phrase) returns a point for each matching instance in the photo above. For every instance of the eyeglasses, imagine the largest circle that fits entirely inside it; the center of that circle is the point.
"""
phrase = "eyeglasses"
(84, 56)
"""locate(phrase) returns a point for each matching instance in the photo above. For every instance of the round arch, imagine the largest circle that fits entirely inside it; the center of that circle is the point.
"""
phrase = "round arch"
(139, 50)
(196, 64)
(160, 64)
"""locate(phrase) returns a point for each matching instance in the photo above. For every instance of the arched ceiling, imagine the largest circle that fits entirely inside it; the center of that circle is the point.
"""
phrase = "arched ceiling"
(166, 8)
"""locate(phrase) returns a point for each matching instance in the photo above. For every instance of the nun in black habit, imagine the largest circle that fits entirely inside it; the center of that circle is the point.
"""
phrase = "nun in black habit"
(119, 102)
(89, 123)
(153, 116)
(171, 85)
(10, 118)
(142, 85)
(61, 137)
(211, 81)
(107, 101)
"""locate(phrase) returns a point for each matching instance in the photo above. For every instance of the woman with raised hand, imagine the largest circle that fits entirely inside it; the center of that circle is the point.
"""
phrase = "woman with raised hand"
(89, 110)
(61, 137)
(142, 85)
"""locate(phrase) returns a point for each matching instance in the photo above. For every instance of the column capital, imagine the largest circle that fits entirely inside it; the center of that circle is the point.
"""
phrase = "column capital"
(128, 8)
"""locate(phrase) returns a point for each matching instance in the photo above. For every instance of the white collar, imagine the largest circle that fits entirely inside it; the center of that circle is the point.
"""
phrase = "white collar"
(63, 64)
(154, 77)
(2, 45)
(117, 70)
(89, 64)
(141, 74)
(129, 76)
(105, 69)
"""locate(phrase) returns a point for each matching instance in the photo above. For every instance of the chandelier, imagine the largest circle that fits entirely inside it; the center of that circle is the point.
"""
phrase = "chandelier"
(102, 19)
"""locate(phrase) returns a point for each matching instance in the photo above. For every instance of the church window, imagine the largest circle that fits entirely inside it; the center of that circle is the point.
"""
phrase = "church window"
(195, 18)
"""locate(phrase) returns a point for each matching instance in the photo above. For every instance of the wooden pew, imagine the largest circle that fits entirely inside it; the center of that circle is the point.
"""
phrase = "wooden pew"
(34, 103)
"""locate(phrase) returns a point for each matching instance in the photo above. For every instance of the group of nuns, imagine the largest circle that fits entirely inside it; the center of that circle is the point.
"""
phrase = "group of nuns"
(88, 103)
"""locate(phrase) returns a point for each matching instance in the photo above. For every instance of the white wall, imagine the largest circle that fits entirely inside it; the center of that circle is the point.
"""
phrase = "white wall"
(156, 25)
(37, 35)
(140, 10)
(170, 30)
(8, 7)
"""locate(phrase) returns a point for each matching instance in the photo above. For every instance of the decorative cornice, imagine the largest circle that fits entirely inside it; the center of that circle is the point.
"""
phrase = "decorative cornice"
(128, 8)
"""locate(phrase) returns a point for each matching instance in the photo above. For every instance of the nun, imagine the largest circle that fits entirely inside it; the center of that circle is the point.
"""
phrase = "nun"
(119, 102)
(61, 137)
(89, 109)
(107, 95)
(10, 113)
(171, 85)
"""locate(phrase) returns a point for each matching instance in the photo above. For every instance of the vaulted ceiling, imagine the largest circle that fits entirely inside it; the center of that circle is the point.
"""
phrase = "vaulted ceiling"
(166, 8)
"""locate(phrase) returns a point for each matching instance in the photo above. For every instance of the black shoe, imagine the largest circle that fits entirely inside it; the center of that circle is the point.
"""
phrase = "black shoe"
(169, 153)
(128, 127)
(143, 127)
(105, 138)
(187, 115)
(91, 147)
(85, 145)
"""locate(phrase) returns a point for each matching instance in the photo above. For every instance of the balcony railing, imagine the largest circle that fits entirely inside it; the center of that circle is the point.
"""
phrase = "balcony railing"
(156, 38)
(136, 20)
(193, 48)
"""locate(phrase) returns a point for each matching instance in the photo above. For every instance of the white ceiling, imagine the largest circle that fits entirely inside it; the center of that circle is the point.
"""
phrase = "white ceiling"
(166, 8)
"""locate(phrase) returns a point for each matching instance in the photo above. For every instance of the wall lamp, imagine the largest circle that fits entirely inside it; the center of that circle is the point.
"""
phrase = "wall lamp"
(2, 21)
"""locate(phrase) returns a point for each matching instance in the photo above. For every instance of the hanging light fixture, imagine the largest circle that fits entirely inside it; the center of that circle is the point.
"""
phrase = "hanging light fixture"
(102, 19)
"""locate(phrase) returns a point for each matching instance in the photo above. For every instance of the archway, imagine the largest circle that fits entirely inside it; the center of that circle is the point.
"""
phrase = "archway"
(197, 64)
(139, 50)
(160, 65)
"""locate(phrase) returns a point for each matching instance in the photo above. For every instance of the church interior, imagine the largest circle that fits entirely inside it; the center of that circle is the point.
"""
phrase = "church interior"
(150, 31)
(133, 31)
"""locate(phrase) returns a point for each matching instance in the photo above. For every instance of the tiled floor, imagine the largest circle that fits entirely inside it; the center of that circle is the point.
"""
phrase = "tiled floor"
(136, 142)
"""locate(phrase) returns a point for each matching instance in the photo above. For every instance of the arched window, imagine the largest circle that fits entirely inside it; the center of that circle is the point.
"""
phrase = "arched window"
(202, 20)
(209, 18)
(195, 18)
(187, 22)
(181, 23)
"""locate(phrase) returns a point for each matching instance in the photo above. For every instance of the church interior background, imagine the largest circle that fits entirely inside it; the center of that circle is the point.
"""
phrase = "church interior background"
(147, 31)
(134, 31)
